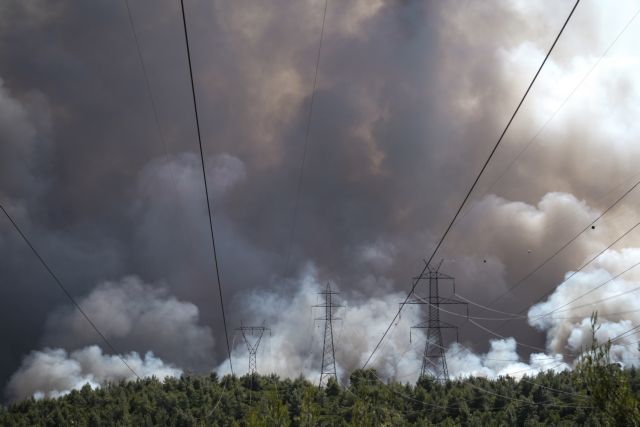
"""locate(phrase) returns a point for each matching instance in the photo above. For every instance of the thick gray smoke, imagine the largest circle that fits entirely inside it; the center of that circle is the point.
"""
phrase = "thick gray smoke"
(130, 314)
(292, 351)
(134, 315)
(411, 97)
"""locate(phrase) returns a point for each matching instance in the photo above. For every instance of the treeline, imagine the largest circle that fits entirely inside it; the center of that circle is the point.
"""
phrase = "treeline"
(592, 395)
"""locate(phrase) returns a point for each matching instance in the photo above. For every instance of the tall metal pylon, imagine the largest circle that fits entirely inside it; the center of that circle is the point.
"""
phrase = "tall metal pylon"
(252, 336)
(434, 361)
(328, 367)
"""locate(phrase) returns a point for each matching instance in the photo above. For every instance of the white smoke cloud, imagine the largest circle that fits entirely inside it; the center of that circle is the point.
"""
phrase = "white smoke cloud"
(295, 345)
(501, 360)
(565, 314)
(135, 316)
(54, 372)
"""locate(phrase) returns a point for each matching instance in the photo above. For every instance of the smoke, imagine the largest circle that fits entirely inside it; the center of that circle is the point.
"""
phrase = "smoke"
(54, 372)
(295, 342)
(25, 125)
(565, 315)
(411, 97)
(294, 345)
(135, 316)
(501, 360)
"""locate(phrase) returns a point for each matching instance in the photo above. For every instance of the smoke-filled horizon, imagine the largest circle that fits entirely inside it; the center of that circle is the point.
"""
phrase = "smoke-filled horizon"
(410, 98)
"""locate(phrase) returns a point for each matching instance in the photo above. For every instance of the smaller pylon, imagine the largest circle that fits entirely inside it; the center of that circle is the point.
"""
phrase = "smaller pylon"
(252, 336)
(328, 366)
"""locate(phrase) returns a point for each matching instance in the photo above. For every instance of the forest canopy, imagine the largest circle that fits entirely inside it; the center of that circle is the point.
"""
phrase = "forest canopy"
(565, 398)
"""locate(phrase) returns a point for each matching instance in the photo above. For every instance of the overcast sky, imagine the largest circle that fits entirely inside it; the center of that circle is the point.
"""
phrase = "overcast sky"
(411, 96)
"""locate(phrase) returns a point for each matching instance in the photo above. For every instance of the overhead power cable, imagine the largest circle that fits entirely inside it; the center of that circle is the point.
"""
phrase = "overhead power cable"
(519, 343)
(206, 187)
(563, 247)
(609, 298)
(146, 80)
(564, 308)
(566, 280)
(581, 268)
(622, 335)
(475, 182)
(550, 359)
(558, 251)
(590, 224)
(515, 316)
(67, 293)
(464, 348)
(588, 292)
(555, 113)
(307, 132)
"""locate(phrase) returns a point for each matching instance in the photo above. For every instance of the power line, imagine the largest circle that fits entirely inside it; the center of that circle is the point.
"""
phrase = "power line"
(519, 343)
(464, 348)
(584, 265)
(475, 182)
(513, 315)
(146, 79)
(558, 251)
(294, 220)
(563, 247)
(204, 178)
(589, 291)
(603, 300)
(567, 279)
(555, 113)
(591, 224)
(67, 293)
(562, 308)
(495, 147)
(622, 335)
(528, 275)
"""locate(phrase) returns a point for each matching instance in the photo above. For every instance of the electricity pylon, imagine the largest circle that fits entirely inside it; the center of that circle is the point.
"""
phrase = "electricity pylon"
(255, 332)
(434, 361)
(328, 367)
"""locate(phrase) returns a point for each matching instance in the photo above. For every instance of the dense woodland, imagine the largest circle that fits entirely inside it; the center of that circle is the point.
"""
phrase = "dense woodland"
(548, 399)
(595, 393)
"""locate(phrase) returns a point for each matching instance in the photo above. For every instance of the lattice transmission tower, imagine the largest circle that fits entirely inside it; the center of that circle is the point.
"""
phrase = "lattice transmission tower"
(252, 336)
(328, 366)
(434, 361)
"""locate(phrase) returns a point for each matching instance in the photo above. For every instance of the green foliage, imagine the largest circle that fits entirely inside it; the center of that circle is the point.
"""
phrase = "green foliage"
(595, 394)
(607, 385)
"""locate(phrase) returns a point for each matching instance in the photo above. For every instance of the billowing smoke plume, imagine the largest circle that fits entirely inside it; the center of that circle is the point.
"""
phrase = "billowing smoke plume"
(411, 96)
(54, 372)
(604, 288)
(137, 319)
(135, 316)
(502, 359)
(295, 344)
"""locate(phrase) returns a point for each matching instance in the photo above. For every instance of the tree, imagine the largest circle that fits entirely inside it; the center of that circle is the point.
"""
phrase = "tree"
(606, 383)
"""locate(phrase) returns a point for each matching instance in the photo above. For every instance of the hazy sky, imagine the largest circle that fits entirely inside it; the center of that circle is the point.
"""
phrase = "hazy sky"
(411, 96)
